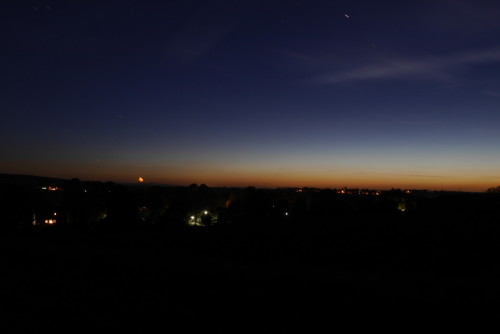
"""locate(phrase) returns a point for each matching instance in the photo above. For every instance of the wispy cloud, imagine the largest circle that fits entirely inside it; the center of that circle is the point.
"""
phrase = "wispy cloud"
(405, 175)
(428, 176)
(491, 93)
(430, 67)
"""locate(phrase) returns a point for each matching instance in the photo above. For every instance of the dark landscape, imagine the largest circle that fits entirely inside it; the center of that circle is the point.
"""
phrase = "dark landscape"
(140, 256)
(253, 166)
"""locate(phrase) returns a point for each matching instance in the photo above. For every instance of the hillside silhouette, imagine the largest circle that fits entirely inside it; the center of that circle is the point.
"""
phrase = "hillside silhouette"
(132, 256)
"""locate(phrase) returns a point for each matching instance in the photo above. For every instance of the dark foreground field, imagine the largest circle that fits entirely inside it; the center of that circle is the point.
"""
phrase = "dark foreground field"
(233, 279)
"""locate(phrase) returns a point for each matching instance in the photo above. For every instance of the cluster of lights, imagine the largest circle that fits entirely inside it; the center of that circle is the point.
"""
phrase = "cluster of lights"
(51, 221)
(343, 191)
(197, 221)
(359, 192)
(52, 188)
(307, 189)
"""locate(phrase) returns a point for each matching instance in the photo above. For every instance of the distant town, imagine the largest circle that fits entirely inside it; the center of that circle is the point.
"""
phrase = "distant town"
(34, 202)
(195, 251)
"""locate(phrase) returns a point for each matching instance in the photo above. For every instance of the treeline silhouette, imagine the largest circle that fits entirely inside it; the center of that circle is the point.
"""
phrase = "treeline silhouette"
(106, 205)
(376, 228)
(193, 252)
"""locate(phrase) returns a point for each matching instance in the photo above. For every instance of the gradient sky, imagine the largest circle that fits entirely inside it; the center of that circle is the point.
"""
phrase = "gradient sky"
(375, 94)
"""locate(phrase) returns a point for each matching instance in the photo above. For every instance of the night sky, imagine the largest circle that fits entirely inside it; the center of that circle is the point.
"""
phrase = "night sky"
(375, 94)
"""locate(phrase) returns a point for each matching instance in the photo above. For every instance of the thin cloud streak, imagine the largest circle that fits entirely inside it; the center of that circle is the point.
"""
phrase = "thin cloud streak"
(431, 67)
(405, 175)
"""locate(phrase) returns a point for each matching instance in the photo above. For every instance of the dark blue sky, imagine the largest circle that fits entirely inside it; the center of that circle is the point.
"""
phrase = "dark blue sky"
(266, 93)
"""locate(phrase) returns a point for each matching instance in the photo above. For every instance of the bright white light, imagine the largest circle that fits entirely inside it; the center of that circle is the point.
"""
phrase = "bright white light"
(286, 213)
(192, 217)
(206, 212)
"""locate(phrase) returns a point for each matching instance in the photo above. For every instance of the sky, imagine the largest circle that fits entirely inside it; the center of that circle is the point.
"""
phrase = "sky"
(368, 94)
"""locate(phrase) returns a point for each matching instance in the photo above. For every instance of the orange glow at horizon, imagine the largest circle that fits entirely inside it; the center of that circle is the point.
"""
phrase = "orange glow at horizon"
(341, 180)
(378, 177)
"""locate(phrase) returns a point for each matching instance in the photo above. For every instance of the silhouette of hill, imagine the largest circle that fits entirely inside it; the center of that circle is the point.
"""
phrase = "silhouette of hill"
(20, 179)
(124, 257)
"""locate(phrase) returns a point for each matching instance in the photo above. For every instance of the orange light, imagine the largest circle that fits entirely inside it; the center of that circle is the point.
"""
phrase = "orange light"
(140, 179)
